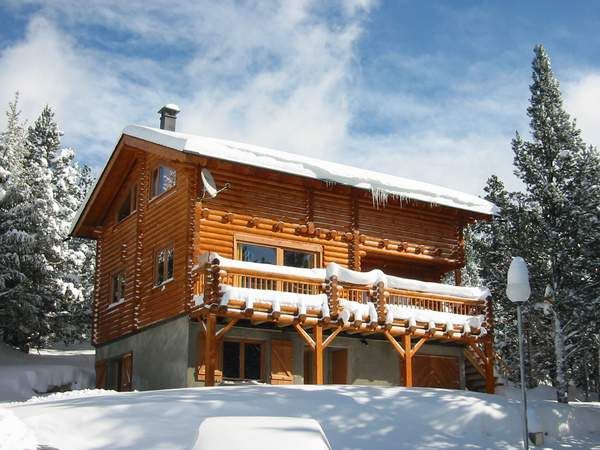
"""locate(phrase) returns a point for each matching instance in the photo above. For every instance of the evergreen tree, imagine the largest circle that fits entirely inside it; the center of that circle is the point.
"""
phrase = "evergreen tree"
(554, 226)
(45, 279)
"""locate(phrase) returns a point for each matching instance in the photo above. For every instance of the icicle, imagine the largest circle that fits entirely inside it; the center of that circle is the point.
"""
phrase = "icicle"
(379, 196)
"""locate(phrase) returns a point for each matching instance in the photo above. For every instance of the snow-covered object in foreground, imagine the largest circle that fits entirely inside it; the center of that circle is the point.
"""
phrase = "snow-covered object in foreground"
(250, 433)
(353, 417)
(381, 185)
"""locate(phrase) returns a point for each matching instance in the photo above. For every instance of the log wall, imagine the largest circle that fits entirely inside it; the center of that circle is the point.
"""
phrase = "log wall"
(407, 238)
(131, 245)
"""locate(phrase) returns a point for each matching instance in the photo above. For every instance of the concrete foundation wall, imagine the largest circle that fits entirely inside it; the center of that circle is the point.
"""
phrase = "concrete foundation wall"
(165, 355)
(160, 354)
(375, 363)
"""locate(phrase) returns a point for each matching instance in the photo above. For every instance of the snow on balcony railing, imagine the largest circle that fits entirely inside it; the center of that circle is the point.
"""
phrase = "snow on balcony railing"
(338, 293)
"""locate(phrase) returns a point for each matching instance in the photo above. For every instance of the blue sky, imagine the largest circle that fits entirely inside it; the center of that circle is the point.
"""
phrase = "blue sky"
(427, 90)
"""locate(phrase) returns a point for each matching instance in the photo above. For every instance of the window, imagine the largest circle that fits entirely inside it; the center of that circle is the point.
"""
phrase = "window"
(163, 179)
(267, 254)
(164, 266)
(296, 258)
(242, 360)
(258, 253)
(129, 204)
(118, 287)
(269, 251)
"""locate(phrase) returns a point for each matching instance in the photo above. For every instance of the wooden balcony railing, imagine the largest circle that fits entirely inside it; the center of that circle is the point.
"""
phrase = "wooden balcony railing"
(214, 278)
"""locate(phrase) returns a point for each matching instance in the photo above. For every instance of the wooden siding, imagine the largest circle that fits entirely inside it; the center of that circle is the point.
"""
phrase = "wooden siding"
(130, 245)
(117, 253)
(409, 238)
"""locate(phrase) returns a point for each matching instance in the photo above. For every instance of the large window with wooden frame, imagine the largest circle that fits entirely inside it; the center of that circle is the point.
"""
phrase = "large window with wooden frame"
(164, 262)
(243, 360)
(278, 252)
(164, 179)
(118, 287)
(129, 204)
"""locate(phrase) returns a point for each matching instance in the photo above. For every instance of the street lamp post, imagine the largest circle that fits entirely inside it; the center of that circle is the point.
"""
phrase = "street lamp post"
(518, 291)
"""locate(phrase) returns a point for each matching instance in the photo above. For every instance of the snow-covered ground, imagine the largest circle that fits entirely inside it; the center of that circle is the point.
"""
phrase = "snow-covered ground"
(352, 417)
(23, 376)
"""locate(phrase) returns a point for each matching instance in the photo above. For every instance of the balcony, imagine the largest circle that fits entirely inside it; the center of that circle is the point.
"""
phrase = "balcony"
(338, 300)
(359, 302)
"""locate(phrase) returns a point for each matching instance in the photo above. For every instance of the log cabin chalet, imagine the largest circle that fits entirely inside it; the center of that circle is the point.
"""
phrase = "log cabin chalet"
(220, 262)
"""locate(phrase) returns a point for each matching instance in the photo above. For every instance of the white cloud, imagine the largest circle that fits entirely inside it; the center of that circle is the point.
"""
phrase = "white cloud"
(582, 97)
(270, 73)
(279, 74)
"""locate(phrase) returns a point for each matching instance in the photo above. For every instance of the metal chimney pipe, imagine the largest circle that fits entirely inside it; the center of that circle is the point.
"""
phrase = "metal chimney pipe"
(168, 116)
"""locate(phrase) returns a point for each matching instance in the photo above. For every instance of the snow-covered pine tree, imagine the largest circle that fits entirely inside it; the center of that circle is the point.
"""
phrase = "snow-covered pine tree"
(45, 280)
(71, 182)
(585, 348)
(30, 240)
(12, 140)
(554, 226)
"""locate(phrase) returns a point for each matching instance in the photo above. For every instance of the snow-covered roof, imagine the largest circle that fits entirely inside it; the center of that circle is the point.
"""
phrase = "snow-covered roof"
(381, 185)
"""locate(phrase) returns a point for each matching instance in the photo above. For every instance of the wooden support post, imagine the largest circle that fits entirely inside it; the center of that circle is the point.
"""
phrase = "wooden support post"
(408, 373)
(210, 350)
(318, 355)
(490, 379)
(331, 337)
(394, 343)
(488, 347)
(331, 289)
(380, 301)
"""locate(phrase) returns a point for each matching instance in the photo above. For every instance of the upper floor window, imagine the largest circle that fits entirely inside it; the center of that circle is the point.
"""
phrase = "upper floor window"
(129, 204)
(118, 287)
(281, 256)
(163, 179)
(164, 266)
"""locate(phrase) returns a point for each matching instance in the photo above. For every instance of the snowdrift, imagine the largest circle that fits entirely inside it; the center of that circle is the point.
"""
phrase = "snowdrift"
(23, 376)
(352, 417)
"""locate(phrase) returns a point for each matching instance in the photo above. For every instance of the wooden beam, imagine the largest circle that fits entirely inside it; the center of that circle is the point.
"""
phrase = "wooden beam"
(418, 345)
(490, 378)
(408, 372)
(318, 354)
(478, 351)
(394, 343)
(210, 352)
(469, 354)
(221, 333)
(331, 337)
(304, 335)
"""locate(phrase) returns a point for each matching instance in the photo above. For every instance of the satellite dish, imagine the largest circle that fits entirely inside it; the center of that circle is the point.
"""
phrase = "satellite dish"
(210, 187)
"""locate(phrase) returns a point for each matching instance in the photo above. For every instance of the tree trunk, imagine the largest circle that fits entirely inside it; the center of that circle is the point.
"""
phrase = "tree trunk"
(562, 394)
